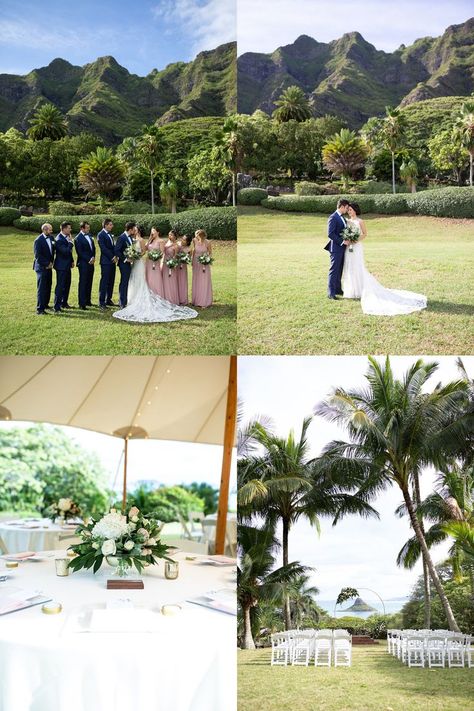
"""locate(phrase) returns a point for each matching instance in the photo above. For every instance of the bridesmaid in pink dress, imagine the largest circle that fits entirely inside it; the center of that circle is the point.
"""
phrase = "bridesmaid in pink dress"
(184, 247)
(154, 275)
(202, 283)
(170, 276)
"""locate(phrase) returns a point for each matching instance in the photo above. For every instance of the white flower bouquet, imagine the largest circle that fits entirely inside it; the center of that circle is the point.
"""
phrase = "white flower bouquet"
(123, 540)
(155, 255)
(65, 509)
(206, 260)
(171, 264)
(351, 234)
(184, 258)
(133, 253)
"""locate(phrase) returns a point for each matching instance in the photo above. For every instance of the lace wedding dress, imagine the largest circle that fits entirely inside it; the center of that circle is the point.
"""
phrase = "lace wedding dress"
(144, 306)
(376, 300)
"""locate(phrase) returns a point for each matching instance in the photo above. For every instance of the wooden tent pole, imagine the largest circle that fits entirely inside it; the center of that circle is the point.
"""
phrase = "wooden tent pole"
(124, 492)
(229, 435)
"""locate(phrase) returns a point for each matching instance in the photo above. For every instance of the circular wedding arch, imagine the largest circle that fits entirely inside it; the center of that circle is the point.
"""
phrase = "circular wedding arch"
(369, 590)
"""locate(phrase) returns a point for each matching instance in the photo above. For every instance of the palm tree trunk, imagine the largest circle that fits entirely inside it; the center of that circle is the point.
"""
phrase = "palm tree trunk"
(393, 174)
(471, 155)
(413, 187)
(248, 642)
(233, 189)
(152, 193)
(453, 626)
(286, 599)
(426, 572)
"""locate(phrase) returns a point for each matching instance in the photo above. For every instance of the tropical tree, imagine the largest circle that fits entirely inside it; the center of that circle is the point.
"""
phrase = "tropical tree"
(292, 105)
(447, 153)
(149, 153)
(169, 193)
(464, 126)
(409, 173)
(396, 428)
(229, 144)
(47, 122)
(344, 154)
(257, 579)
(101, 173)
(303, 606)
(281, 483)
(393, 135)
(209, 174)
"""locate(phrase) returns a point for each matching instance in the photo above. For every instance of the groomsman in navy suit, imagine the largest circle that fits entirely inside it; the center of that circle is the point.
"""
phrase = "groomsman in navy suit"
(336, 247)
(63, 264)
(125, 265)
(108, 262)
(43, 266)
(85, 248)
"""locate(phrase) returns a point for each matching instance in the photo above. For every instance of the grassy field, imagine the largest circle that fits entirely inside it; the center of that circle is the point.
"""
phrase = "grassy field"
(282, 286)
(375, 682)
(94, 332)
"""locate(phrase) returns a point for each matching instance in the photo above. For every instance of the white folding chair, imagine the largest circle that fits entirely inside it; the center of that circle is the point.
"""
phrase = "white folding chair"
(342, 651)
(301, 648)
(436, 651)
(280, 649)
(455, 650)
(470, 651)
(322, 651)
(415, 651)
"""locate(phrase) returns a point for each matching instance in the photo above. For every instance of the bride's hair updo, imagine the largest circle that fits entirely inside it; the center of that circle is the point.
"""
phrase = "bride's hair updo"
(355, 206)
(141, 231)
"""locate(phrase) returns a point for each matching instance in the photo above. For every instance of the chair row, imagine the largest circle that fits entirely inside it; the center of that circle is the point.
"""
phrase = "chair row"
(431, 648)
(299, 647)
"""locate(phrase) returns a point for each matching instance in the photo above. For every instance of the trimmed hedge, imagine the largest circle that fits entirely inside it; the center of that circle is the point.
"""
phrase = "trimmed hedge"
(251, 196)
(8, 215)
(219, 222)
(443, 202)
(121, 207)
(305, 187)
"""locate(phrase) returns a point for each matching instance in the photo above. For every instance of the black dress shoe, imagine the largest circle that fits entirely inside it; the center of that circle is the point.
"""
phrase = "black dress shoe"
(66, 306)
(103, 307)
(89, 304)
(57, 311)
(339, 293)
(333, 296)
(83, 308)
(110, 303)
(41, 313)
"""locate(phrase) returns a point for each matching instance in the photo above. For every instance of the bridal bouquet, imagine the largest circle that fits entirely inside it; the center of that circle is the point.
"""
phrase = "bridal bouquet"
(133, 253)
(122, 540)
(205, 259)
(172, 264)
(184, 258)
(351, 234)
(155, 255)
(64, 508)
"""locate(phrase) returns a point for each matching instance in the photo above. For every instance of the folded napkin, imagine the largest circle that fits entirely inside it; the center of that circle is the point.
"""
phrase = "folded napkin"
(219, 560)
(19, 556)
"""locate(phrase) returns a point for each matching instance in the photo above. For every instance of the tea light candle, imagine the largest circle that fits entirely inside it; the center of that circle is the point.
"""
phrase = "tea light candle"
(171, 569)
(62, 566)
(11, 564)
(171, 610)
(51, 608)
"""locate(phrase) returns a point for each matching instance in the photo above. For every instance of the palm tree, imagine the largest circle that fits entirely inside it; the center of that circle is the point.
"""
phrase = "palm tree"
(292, 105)
(395, 430)
(169, 192)
(101, 173)
(48, 122)
(409, 173)
(283, 484)
(257, 580)
(464, 126)
(229, 143)
(302, 602)
(393, 134)
(344, 154)
(149, 151)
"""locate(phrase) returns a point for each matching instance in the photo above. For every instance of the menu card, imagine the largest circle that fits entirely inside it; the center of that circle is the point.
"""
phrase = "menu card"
(21, 600)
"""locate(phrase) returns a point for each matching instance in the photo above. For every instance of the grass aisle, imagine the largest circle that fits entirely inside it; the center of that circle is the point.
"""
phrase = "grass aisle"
(375, 682)
(94, 332)
(282, 283)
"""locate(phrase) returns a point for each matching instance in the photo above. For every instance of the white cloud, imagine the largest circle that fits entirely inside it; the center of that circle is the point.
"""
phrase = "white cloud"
(265, 25)
(18, 33)
(207, 24)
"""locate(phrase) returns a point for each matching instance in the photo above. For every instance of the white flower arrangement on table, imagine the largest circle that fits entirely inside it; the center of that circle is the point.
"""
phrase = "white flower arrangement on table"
(155, 255)
(352, 235)
(206, 260)
(171, 264)
(121, 539)
(64, 508)
(133, 252)
(184, 258)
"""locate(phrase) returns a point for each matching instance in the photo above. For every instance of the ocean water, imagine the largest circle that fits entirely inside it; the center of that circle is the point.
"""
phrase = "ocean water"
(391, 606)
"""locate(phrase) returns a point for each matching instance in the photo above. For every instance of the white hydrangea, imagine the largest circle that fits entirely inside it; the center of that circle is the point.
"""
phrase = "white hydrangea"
(111, 526)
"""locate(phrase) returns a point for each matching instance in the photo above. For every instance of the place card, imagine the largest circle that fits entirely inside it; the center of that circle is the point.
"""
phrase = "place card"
(125, 584)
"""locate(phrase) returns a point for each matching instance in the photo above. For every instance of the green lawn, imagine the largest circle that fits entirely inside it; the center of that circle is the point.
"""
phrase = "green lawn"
(375, 682)
(282, 286)
(94, 332)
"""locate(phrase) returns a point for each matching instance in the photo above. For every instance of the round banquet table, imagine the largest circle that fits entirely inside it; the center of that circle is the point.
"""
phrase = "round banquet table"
(35, 535)
(63, 662)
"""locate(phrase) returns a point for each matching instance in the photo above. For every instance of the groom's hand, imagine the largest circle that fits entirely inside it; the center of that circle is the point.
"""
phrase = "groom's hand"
(346, 242)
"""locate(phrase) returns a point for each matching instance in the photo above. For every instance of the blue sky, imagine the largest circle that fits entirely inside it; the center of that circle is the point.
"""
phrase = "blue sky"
(141, 35)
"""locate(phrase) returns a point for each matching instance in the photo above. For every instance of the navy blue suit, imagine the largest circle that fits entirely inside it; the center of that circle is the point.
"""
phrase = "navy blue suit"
(336, 249)
(44, 256)
(63, 263)
(122, 243)
(85, 252)
(107, 267)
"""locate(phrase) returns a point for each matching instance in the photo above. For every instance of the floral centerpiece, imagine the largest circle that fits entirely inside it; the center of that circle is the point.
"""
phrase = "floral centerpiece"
(133, 253)
(171, 264)
(184, 258)
(155, 255)
(123, 540)
(351, 234)
(206, 260)
(64, 509)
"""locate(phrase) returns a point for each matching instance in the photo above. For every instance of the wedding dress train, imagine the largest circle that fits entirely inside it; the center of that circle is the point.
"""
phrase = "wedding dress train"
(376, 300)
(144, 306)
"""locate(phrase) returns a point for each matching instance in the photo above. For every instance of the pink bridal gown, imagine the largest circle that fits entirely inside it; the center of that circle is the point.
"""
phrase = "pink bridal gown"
(183, 280)
(154, 276)
(170, 276)
(202, 284)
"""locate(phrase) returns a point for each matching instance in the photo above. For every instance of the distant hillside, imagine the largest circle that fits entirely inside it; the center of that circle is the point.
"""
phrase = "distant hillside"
(105, 99)
(350, 78)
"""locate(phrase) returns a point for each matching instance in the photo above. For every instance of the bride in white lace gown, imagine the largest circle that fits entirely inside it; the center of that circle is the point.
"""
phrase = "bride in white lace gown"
(358, 282)
(143, 305)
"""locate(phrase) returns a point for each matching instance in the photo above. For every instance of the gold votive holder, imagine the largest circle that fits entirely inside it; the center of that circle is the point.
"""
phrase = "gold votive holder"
(171, 610)
(62, 566)
(171, 569)
(51, 608)
(11, 564)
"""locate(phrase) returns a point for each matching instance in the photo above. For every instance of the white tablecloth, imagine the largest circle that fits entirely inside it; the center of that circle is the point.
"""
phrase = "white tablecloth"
(186, 664)
(41, 535)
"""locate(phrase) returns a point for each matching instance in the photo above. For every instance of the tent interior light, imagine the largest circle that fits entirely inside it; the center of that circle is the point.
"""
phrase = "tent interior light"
(5, 413)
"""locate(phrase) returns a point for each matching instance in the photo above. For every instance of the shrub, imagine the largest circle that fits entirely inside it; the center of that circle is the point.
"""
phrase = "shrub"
(59, 207)
(129, 207)
(219, 222)
(86, 208)
(443, 202)
(167, 503)
(251, 196)
(8, 215)
(307, 188)
(382, 204)
(389, 204)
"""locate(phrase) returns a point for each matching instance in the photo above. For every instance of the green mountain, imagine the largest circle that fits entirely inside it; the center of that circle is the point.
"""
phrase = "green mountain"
(350, 78)
(105, 99)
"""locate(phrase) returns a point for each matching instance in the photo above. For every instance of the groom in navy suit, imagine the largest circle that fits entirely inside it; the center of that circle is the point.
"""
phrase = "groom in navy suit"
(43, 266)
(125, 265)
(63, 264)
(336, 247)
(108, 263)
(85, 249)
